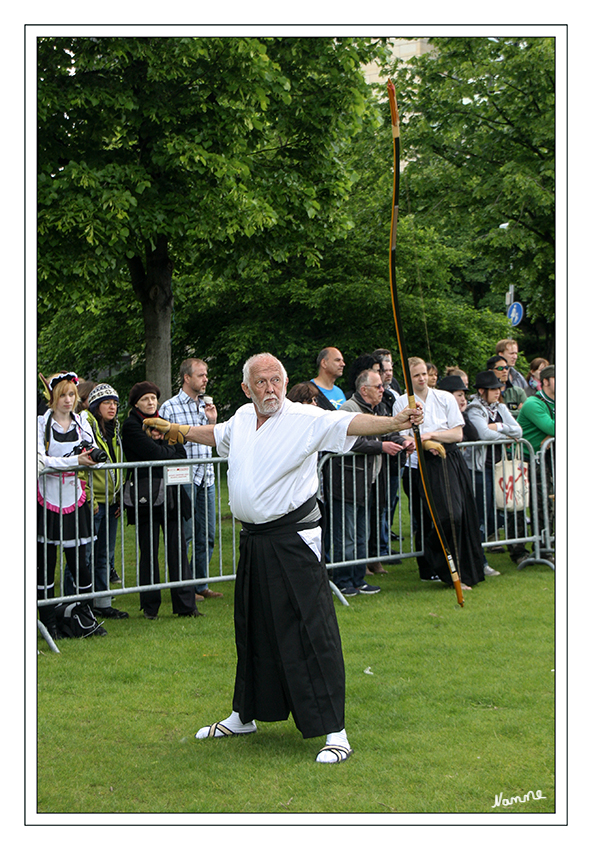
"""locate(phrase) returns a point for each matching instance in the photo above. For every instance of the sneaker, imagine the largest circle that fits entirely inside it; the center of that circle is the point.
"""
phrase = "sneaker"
(368, 588)
(489, 571)
(349, 591)
(114, 578)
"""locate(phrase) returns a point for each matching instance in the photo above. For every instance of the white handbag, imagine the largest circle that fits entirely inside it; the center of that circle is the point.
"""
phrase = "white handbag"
(511, 483)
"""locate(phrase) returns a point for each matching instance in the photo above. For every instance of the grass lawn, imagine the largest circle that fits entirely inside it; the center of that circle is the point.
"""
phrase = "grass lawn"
(446, 709)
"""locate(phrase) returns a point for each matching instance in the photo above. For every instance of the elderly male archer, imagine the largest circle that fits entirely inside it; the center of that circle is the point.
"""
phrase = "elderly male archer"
(289, 657)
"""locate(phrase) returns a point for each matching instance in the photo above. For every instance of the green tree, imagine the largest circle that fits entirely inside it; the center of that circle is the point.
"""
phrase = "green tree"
(478, 124)
(317, 272)
(295, 310)
(162, 155)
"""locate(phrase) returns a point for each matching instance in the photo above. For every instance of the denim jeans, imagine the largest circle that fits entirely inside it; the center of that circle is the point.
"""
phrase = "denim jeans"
(388, 511)
(349, 542)
(201, 529)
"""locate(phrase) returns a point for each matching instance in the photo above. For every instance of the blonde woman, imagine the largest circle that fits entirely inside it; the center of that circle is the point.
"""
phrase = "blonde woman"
(64, 444)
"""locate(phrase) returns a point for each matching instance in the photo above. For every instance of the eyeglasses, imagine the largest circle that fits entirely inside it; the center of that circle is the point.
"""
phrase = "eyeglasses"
(500, 368)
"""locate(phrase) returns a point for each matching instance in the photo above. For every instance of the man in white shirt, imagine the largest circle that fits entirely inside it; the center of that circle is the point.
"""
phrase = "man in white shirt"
(289, 655)
(450, 484)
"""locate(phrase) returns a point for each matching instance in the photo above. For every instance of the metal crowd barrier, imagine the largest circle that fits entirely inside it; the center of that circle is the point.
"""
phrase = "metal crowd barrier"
(523, 514)
(522, 478)
(383, 542)
(377, 545)
(176, 473)
(546, 460)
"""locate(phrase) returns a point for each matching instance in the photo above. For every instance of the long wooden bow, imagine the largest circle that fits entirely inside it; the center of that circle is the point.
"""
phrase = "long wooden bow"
(392, 95)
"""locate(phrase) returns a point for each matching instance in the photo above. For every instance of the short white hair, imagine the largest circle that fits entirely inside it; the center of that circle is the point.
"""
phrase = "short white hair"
(251, 362)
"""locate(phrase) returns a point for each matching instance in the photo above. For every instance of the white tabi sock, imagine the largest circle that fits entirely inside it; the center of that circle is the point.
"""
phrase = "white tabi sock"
(233, 723)
(339, 738)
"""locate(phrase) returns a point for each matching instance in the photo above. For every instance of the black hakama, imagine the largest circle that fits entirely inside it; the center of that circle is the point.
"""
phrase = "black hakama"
(287, 636)
(454, 502)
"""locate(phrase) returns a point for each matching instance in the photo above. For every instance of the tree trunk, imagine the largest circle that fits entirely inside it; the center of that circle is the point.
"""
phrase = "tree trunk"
(152, 284)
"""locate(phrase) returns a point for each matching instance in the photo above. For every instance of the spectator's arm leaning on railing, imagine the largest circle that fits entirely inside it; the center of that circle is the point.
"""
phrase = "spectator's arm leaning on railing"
(487, 431)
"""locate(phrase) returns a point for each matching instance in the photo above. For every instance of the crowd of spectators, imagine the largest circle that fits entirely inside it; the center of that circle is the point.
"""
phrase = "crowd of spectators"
(360, 492)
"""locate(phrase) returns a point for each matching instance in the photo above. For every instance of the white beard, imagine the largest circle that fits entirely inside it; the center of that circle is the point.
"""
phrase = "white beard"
(269, 405)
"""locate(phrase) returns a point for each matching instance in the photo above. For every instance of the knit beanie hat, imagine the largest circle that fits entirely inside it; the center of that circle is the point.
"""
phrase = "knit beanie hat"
(102, 392)
(138, 390)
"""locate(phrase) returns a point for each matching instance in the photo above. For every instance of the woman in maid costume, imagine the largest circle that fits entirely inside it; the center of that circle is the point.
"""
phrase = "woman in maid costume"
(64, 444)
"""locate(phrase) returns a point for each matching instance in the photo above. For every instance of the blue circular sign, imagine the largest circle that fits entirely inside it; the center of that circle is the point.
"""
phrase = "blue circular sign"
(515, 313)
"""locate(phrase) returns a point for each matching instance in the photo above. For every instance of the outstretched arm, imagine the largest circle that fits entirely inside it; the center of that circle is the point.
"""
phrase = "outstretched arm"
(366, 425)
(203, 434)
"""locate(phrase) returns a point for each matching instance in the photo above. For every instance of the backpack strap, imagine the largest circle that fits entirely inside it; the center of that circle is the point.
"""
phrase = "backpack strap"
(551, 409)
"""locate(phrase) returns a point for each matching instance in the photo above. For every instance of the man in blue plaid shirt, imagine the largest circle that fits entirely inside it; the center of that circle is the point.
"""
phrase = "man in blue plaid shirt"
(189, 408)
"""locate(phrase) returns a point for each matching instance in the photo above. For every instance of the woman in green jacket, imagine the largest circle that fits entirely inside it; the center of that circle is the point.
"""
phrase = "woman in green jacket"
(103, 402)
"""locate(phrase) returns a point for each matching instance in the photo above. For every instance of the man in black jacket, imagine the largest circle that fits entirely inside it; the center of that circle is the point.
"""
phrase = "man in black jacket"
(363, 484)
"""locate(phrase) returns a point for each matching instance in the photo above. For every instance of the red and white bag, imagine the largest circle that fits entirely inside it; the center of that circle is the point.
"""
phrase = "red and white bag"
(511, 484)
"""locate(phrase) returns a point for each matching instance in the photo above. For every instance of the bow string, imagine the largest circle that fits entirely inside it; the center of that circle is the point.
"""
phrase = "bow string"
(392, 95)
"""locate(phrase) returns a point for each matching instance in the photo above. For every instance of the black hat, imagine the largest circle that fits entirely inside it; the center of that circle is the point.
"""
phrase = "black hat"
(138, 390)
(452, 383)
(487, 381)
(547, 372)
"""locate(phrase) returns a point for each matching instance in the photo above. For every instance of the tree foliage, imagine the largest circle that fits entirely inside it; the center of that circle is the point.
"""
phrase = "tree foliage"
(479, 123)
(183, 153)
(241, 189)
(296, 310)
